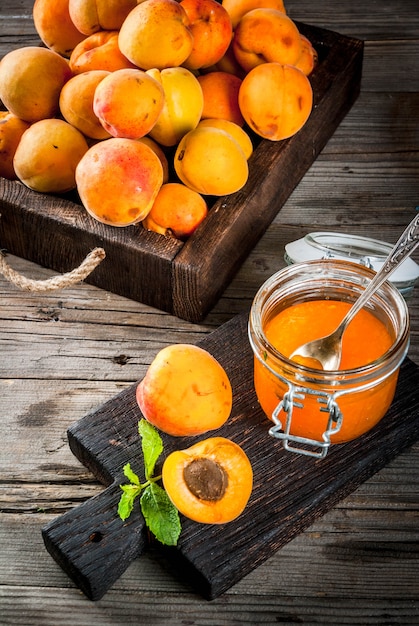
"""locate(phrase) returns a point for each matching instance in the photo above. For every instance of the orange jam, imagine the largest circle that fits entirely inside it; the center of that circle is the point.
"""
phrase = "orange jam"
(365, 340)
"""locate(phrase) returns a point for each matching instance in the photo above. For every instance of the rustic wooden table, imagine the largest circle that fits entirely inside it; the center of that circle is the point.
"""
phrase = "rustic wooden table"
(65, 353)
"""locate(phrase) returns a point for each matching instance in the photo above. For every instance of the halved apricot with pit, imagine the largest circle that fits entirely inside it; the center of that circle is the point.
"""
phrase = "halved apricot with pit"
(210, 482)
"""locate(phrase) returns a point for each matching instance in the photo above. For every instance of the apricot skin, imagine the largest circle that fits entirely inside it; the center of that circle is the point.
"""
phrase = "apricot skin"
(185, 391)
(31, 79)
(11, 131)
(287, 103)
(118, 180)
(99, 51)
(55, 27)
(47, 156)
(234, 463)
(211, 161)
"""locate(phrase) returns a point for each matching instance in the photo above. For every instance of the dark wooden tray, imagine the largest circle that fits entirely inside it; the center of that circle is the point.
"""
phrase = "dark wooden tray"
(290, 491)
(186, 279)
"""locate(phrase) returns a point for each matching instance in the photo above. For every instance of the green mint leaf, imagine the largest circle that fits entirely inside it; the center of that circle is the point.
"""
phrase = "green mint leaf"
(152, 446)
(126, 502)
(161, 516)
(132, 477)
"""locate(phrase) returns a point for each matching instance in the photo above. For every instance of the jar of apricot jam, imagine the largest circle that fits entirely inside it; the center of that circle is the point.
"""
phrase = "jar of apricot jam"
(310, 407)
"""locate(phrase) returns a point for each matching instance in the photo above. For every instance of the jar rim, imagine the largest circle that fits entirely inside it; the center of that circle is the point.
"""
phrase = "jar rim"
(315, 269)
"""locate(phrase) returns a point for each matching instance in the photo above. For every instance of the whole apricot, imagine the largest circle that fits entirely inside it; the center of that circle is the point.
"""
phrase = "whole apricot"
(212, 32)
(233, 129)
(237, 8)
(221, 96)
(309, 58)
(31, 79)
(287, 101)
(211, 162)
(11, 131)
(55, 27)
(128, 103)
(183, 104)
(76, 103)
(47, 156)
(210, 482)
(118, 180)
(185, 391)
(177, 211)
(99, 51)
(89, 16)
(156, 33)
(158, 150)
(266, 36)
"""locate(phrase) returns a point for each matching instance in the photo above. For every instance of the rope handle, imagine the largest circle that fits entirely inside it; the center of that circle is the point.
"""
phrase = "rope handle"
(60, 281)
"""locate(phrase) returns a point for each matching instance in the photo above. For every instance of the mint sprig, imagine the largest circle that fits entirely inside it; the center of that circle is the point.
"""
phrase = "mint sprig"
(160, 515)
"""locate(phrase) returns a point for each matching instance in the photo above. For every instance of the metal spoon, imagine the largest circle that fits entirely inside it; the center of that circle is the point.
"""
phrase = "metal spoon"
(328, 350)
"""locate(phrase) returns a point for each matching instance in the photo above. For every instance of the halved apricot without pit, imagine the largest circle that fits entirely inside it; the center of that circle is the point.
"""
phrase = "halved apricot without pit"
(210, 482)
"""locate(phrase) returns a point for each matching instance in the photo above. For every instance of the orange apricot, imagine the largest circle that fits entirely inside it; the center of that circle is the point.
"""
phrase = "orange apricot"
(31, 79)
(308, 58)
(89, 16)
(99, 51)
(237, 8)
(11, 131)
(185, 391)
(211, 162)
(158, 150)
(128, 103)
(235, 130)
(266, 36)
(118, 180)
(287, 101)
(48, 154)
(211, 29)
(76, 103)
(221, 96)
(156, 33)
(177, 211)
(210, 482)
(55, 27)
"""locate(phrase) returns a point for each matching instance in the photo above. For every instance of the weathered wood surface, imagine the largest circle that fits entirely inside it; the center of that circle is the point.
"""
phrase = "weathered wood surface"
(66, 353)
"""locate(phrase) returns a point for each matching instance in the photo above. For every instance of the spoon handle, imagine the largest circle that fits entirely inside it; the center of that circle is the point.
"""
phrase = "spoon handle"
(404, 247)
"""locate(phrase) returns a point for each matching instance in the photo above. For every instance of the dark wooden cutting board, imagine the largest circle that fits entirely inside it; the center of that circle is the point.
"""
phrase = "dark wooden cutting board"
(94, 547)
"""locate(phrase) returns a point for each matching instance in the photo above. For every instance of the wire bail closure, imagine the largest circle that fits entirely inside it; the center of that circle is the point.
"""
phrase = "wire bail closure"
(294, 397)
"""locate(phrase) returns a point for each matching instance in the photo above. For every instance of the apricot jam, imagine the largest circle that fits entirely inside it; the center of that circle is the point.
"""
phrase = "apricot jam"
(313, 408)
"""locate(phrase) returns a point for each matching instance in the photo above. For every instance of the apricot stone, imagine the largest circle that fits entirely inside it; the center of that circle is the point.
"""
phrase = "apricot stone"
(185, 391)
(210, 482)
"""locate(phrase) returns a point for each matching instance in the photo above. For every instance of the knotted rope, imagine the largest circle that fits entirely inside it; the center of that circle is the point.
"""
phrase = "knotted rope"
(60, 281)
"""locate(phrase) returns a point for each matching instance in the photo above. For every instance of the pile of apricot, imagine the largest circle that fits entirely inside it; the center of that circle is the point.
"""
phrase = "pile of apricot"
(186, 392)
(123, 103)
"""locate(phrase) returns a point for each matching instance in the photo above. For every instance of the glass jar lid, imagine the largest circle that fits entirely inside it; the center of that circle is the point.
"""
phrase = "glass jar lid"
(363, 250)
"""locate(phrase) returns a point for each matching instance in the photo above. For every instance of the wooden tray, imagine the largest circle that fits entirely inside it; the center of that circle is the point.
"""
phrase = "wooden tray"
(186, 279)
(290, 491)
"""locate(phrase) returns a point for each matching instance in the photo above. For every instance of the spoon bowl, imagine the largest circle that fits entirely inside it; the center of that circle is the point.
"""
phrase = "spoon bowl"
(327, 351)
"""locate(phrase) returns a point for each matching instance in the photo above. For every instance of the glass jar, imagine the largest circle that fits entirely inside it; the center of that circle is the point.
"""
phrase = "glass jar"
(313, 408)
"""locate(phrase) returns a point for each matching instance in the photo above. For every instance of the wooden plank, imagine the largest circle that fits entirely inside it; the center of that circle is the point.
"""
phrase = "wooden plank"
(188, 279)
(290, 491)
